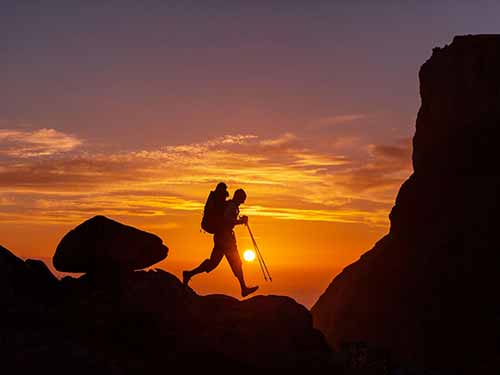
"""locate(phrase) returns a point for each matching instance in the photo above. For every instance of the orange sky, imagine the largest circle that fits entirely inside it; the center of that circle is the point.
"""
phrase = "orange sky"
(136, 112)
(312, 212)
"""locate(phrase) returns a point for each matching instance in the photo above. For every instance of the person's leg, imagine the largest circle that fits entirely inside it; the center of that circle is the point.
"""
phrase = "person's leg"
(208, 264)
(233, 257)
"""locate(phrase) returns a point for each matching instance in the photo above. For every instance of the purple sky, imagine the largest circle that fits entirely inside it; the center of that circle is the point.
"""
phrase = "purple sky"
(142, 73)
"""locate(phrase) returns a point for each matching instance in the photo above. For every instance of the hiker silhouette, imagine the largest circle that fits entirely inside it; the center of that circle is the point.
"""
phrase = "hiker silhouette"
(224, 238)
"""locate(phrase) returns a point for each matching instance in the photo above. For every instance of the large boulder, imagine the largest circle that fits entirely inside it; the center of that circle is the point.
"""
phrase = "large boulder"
(101, 244)
(427, 290)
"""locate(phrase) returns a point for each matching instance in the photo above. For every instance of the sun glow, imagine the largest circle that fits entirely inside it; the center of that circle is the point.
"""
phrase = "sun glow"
(249, 255)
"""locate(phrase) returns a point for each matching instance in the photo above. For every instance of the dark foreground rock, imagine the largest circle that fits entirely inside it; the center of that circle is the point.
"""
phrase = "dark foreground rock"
(28, 280)
(149, 322)
(427, 291)
(101, 244)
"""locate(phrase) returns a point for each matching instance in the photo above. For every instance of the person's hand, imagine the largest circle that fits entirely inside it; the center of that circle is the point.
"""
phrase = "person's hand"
(244, 219)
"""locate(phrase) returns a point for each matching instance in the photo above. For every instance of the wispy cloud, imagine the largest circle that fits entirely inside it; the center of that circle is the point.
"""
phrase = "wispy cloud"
(385, 162)
(326, 123)
(41, 142)
(340, 119)
(284, 177)
(286, 138)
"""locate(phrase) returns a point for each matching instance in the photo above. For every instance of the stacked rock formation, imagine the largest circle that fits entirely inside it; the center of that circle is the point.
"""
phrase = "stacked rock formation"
(427, 291)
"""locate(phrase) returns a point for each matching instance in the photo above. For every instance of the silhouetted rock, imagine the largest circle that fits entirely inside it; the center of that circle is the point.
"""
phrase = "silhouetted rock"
(156, 305)
(28, 280)
(427, 291)
(148, 322)
(40, 270)
(102, 245)
(12, 273)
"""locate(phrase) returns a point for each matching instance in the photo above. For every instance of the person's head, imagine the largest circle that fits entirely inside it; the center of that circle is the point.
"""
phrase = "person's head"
(221, 188)
(239, 196)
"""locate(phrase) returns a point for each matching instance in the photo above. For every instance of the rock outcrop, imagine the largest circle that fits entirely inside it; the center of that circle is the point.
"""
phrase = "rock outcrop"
(23, 280)
(146, 322)
(427, 291)
(101, 244)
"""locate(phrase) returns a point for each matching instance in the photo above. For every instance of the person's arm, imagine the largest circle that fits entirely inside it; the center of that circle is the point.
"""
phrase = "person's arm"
(231, 216)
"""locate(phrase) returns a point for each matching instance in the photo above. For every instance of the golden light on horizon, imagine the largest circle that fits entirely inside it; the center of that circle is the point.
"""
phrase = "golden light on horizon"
(249, 255)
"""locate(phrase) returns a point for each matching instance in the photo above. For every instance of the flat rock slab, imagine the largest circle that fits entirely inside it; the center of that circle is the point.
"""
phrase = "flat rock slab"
(103, 244)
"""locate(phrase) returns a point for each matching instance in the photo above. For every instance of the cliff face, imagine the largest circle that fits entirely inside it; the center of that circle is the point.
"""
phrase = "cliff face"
(428, 290)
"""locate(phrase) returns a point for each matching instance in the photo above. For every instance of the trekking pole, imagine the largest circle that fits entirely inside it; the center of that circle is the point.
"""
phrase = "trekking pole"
(260, 257)
(260, 262)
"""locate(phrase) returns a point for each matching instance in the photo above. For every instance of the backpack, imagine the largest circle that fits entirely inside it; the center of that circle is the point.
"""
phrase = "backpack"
(213, 213)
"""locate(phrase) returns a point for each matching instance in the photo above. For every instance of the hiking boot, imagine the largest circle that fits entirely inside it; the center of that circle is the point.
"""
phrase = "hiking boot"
(186, 276)
(248, 290)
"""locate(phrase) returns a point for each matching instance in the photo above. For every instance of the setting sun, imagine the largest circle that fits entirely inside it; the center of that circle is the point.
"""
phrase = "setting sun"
(249, 255)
